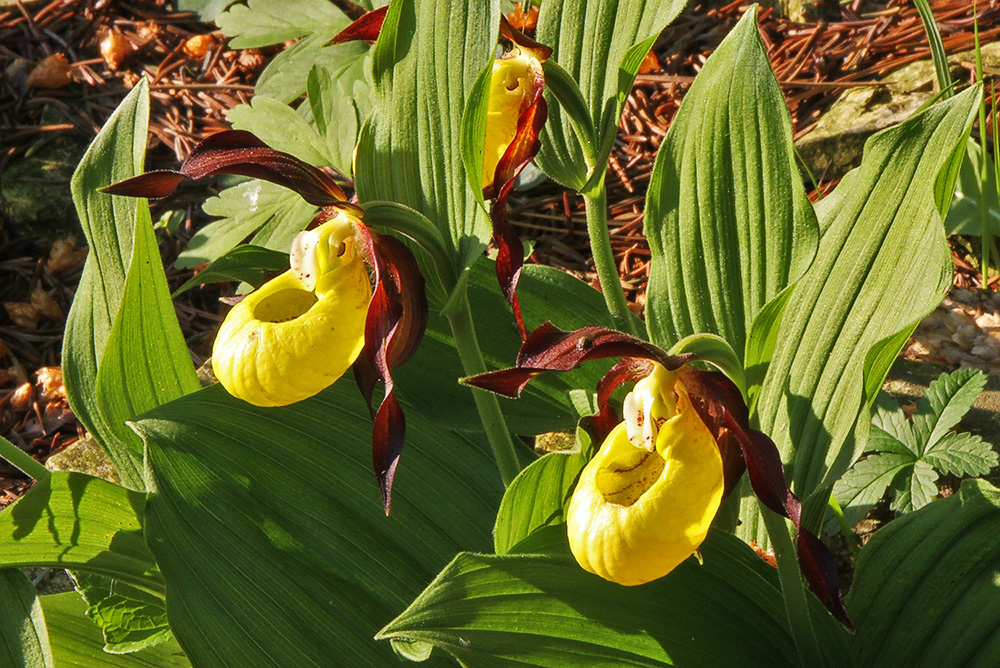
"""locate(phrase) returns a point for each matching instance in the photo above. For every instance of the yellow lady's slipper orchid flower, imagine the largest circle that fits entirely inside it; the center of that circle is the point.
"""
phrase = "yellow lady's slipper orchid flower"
(514, 86)
(299, 332)
(645, 502)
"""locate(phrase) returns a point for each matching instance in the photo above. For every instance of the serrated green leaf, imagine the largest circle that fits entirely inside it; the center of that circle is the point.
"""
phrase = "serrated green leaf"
(424, 65)
(962, 455)
(889, 420)
(339, 107)
(867, 481)
(122, 325)
(244, 209)
(266, 22)
(130, 618)
(245, 263)
(915, 490)
(75, 521)
(945, 403)
(925, 593)
(728, 221)
(24, 638)
(544, 610)
(281, 128)
(77, 642)
(286, 76)
(883, 262)
(536, 498)
(270, 533)
(596, 43)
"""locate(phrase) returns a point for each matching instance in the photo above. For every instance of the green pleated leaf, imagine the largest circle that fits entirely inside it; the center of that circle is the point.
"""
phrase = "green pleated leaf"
(925, 592)
(24, 639)
(77, 643)
(75, 521)
(245, 263)
(122, 314)
(130, 618)
(269, 529)
(882, 264)
(430, 380)
(425, 63)
(727, 218)
(600, 44)
(536, 498)
(540, 610)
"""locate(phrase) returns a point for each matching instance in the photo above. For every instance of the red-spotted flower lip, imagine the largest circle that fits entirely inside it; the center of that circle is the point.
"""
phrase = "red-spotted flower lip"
(714, 397)
(397, 313)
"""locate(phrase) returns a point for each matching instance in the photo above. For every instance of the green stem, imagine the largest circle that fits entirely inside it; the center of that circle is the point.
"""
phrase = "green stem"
(845, 528)
(793, 590)
(22, 460)
(604, 258)
(464, 331)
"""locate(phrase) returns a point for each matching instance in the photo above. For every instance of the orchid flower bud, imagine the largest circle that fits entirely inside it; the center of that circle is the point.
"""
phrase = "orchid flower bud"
(299, 332)
(516, 80)
(645, 502)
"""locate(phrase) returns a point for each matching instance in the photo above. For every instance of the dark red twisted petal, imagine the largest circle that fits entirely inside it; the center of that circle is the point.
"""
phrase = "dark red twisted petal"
(238, 152)
(522, 41)
(720, 406)
(549, 348)
(366, 28)
(397, 318)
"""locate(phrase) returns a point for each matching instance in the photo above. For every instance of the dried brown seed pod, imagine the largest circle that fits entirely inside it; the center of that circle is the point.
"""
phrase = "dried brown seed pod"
(52, 72)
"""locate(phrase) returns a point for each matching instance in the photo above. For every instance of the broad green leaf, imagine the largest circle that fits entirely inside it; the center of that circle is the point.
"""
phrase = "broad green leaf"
(266, 22)
(599, 43)
(946, 401)
(536, 498)
(75, 521)
(727, 218)
(103, 330)
(130, 618)
(427, 58)
(244, 209)
(24, 639)
(269, 530)
(430, 380)
(535, 610)
(963, 218)
(867, 481)
(244, 263)
(761, 339)
(77, 643)
(925, 589)
(883, 262)
(962, 455)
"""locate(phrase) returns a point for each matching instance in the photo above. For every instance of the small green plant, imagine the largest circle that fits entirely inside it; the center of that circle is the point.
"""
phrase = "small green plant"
(907, 453)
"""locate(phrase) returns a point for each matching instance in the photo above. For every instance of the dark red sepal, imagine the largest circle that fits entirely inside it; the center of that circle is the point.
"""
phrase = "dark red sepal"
(720, 405)
(522, 41)
(366, 28)
(238, 152)
(549, 348)
(397, 318)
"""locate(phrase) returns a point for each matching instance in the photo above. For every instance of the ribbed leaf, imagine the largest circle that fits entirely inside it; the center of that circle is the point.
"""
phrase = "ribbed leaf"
(24, 640)
(534, 610)
(882, 264)
(245, 263)
(122, 314)
(600, 44)
(727, 218)
(75, 521)
(925, 592)
(424, 65)
(77, 643)
(269, 529)
(430, 380)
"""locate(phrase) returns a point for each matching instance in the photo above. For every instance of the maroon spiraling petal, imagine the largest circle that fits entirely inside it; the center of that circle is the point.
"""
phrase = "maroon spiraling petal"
(628, 369)
(721, 407)
(238, 152)
(549, 348)
(395, 324)
(366, 28)
(522, 41)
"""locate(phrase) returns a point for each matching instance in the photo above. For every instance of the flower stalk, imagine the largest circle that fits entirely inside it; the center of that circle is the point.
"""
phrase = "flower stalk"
(497, 433)
(596, 201)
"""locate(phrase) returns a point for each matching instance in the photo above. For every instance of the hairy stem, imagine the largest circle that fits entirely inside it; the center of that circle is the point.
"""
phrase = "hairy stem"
(604, 258)
(464, 331)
